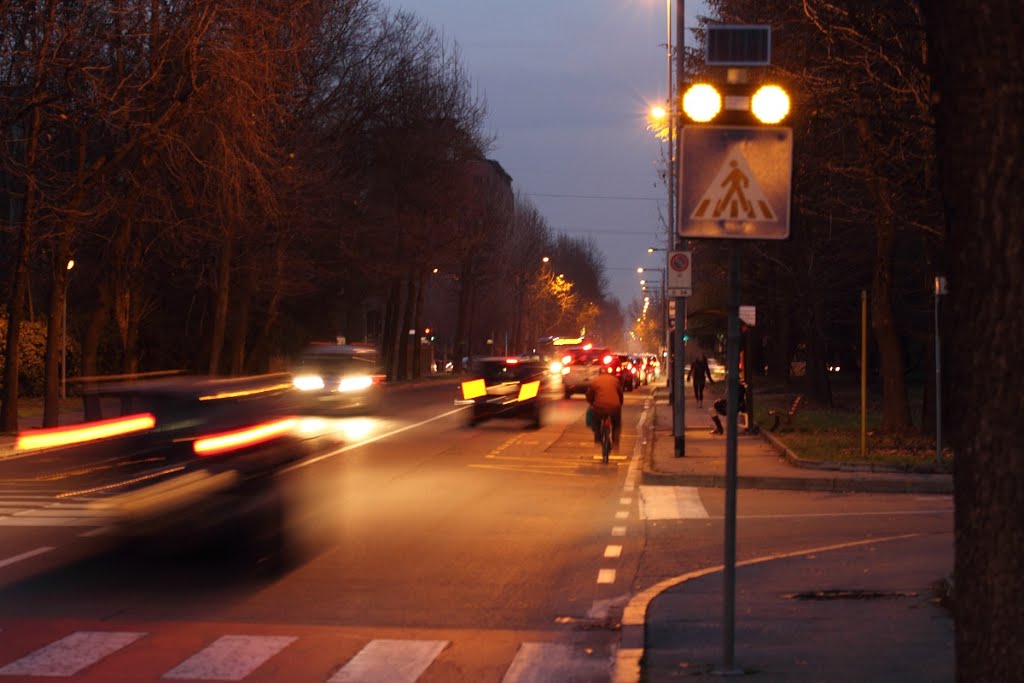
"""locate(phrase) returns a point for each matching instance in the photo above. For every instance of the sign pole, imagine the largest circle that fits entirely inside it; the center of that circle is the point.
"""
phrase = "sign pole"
(732, 363)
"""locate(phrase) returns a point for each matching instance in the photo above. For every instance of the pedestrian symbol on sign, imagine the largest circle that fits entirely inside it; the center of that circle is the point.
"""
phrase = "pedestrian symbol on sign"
(734, 194)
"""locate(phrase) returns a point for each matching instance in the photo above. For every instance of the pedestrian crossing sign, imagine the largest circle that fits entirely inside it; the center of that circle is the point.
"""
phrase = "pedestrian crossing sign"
(736, 182)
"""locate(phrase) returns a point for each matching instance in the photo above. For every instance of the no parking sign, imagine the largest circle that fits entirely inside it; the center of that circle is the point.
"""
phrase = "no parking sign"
(680, 280)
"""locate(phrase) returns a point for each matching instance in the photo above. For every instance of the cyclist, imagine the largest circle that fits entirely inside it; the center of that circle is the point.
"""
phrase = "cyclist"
(604, 394)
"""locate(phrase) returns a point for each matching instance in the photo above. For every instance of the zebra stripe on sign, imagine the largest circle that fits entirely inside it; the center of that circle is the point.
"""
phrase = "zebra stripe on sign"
(70, 654)
(390, 661)
(230, 658)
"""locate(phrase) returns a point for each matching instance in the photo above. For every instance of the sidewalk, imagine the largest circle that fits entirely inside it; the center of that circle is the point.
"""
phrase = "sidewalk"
(788, 625)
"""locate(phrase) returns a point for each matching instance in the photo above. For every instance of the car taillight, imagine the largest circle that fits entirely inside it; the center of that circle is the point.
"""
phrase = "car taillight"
(87, 431)
(216, 444)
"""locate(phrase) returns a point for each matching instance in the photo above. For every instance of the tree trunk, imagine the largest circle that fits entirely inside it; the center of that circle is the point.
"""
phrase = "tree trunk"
(895, 405)
(417, 348)
(222, 297)
(19, 288)
(405, 340)
(977, 66)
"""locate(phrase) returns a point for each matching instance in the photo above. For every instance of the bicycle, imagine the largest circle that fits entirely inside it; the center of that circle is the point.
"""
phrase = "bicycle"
(605, 433)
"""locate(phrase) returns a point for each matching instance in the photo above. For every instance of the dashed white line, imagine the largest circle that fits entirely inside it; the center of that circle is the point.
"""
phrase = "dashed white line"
(613, 551)
(625, 501)
(618, 531)
(25, 556)
(622, 514)
(606, 576)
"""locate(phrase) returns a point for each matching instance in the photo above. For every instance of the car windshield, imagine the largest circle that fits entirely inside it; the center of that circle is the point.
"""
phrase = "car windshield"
(338, 364)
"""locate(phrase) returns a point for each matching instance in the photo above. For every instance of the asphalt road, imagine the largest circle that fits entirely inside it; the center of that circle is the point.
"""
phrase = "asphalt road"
(444, 553)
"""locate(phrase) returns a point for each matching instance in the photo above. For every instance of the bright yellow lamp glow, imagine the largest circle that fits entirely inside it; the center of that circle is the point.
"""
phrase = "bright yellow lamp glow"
(702, 102)
(770, 104)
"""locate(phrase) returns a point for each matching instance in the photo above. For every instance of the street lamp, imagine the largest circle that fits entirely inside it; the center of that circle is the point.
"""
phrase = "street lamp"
(64, 334)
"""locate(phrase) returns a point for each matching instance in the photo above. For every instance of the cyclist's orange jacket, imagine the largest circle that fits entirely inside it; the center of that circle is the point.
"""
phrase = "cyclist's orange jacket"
(605, 393)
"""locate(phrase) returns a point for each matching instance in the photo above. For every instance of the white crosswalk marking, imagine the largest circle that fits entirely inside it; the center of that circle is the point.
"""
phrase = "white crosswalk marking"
(671, 502)
(71, 654)
(555, 663)
(230, 658)
(390, 661)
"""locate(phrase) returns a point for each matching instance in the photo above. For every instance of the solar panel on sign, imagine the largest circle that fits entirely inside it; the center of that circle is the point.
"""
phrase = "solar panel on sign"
(738, 45)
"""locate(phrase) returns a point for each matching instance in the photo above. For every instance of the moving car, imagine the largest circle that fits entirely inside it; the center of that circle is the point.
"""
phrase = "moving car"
(176, 456)
(579, 366)
(338, 378)
(505, 388)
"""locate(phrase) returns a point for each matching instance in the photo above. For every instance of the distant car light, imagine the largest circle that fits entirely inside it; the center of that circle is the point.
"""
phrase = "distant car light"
(607, 360)
(555, 367)
(565, 371)
(357, 383)
(566, 360)
(511, 361)
(308, 382)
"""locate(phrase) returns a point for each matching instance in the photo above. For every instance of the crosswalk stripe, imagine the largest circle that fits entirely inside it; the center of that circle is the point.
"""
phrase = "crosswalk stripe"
(671, 502)
(70, 654)
(390, 661)
(548, 662)
(229, 658)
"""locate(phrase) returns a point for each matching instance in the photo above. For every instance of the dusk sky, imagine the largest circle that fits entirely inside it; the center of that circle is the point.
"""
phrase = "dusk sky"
(568, 84)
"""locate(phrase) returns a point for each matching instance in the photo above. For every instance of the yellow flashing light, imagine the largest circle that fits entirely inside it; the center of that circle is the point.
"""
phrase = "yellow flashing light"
(770, 104)
(473, 388)
(87, 431)
(702, 102)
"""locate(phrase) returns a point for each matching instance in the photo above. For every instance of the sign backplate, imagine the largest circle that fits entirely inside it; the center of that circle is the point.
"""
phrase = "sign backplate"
(736, 182)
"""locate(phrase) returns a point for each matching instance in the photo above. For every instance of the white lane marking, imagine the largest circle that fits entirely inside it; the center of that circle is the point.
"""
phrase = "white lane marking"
(374, 439)
(613, 551)
(606, 576)
(622, 514)
(625, 501)
(390, 661)
(71, 654)
(230, 658)
(671, 502)
(548, 662)
(25, 556)
(64, 512)
(29, 520)
(618, 531)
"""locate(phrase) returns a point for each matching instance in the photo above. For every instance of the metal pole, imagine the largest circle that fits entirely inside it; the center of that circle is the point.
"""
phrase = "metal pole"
(863, 373)
(940, 289)
(679, 350)
(732, 362)
(64, 344)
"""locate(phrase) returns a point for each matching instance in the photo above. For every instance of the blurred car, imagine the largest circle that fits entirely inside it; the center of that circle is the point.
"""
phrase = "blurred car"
(175, 456)
(505, 388)
(338, 379)
(579, 366)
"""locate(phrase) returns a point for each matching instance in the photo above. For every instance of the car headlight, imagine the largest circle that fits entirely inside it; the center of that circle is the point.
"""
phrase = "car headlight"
(308, 382)
(355, 383)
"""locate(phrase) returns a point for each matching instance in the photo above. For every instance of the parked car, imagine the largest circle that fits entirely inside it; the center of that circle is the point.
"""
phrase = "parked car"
(338, 379)
(505, 388)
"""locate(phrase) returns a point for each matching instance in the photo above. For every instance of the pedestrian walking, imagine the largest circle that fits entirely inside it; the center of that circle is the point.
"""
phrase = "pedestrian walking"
(699, 370)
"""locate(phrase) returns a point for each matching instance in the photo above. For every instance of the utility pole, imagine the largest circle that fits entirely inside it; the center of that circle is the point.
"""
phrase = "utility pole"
(679, 346)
